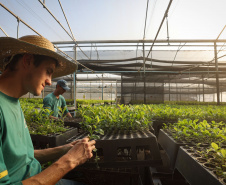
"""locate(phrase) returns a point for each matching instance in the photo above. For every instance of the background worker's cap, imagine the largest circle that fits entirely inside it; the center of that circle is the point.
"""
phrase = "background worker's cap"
(37, 45)
(63, 84)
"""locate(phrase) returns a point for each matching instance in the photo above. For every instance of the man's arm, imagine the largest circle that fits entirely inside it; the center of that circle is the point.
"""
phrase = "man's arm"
(77, 155)
(51, 154)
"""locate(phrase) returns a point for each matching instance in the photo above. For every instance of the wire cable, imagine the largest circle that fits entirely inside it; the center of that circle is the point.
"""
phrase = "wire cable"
(37, 16)
(179, 48)
(166, 12)
(62, 26)
(19, 19)
(66, 20)
(42, 36)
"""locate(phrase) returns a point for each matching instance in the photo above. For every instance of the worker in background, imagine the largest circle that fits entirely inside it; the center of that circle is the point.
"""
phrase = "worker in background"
(55, 100)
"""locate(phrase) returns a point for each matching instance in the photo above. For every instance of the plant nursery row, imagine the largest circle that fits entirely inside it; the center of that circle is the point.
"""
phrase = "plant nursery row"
(185, 132)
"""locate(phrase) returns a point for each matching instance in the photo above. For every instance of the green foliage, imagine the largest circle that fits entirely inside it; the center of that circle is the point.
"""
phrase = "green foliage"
(89, 102)
(203, 123)
(118, 117)
(39, 122)
(198, 131)
(62, 113)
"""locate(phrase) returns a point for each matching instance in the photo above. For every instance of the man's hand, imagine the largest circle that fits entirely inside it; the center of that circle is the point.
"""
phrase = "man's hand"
(69, 115)
(81, 151)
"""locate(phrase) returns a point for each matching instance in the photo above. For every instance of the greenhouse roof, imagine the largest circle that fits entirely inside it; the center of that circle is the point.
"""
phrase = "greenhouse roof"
(159, 40)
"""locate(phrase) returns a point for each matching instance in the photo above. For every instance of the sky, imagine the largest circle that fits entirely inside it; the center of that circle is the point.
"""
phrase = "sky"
(116, 19)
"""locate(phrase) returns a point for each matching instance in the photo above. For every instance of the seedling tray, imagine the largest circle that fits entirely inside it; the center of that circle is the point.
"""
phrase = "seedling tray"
(193, 171)
(157, 125)
(170, 146)
(42, 141)
(112, 142)
(103, 176)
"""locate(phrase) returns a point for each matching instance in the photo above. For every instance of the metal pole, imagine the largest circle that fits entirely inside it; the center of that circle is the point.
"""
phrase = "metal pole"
(18, 25)
(90, 92)
(169, 89)
(4, 32)
(116, 100)
(203, 88)
(180, 94)
(217, 75)
(19, 18)
(111, 91)
(135, 90)
(122, 102)
(74, 80)
(144, 75)
(166, 13)
(71, 88)
(102, 89)
(196, 90)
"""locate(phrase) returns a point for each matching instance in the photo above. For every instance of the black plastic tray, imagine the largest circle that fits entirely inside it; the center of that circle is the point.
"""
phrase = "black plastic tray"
(41, 141)
(193, 171)
(133, 141)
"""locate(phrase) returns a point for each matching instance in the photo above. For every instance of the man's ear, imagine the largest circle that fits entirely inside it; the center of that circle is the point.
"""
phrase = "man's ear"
(27, 60)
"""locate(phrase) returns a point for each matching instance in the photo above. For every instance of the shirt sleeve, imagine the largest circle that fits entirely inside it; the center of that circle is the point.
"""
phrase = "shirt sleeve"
(4, 176)
(47, 103)
(64, 105)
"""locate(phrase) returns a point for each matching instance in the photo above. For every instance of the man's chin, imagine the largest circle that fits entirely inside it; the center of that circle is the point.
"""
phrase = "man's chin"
(36, 93)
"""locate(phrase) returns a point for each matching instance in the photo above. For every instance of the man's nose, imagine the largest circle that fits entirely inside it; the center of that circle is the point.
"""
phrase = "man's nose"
(48, 81)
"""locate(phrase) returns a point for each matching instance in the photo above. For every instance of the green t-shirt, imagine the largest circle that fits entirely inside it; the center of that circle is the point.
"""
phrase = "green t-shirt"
(52, 103)
(17, 160)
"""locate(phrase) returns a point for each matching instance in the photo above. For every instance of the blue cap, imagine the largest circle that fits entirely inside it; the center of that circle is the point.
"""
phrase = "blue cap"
(63, 84)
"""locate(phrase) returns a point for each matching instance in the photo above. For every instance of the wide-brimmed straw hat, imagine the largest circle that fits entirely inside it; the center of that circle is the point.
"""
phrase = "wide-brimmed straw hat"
(34, 44)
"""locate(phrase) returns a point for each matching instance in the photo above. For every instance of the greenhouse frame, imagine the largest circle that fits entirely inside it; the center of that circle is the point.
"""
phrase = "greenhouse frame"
(149, 88)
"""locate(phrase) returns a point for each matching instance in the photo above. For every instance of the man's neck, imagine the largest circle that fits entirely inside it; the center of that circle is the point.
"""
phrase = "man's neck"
(10, 85)
(56, 94)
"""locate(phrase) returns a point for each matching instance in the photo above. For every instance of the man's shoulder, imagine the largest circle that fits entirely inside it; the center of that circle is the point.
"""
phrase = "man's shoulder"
(49, 98)
(61, 97)
(50, 95)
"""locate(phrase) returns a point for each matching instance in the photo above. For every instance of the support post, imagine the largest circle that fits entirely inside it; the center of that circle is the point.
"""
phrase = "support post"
(122, 98)
(203, 88)
(144, 75)
(217, 75)
(169, 89)
(102, 88)
(74, 81)
(116, 96)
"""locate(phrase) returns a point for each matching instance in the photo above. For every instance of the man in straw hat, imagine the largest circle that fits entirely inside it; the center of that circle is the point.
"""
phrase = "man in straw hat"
(27, 65)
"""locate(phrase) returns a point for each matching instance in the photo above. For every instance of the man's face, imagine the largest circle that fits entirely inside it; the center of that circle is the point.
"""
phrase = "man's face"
(61, 90)
(40, 76)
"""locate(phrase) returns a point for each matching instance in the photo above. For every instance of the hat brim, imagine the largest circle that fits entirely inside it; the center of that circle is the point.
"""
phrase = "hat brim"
(11, 46)
(66, 88)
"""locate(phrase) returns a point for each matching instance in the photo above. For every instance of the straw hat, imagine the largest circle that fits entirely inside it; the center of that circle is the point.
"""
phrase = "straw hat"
(34, 44)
